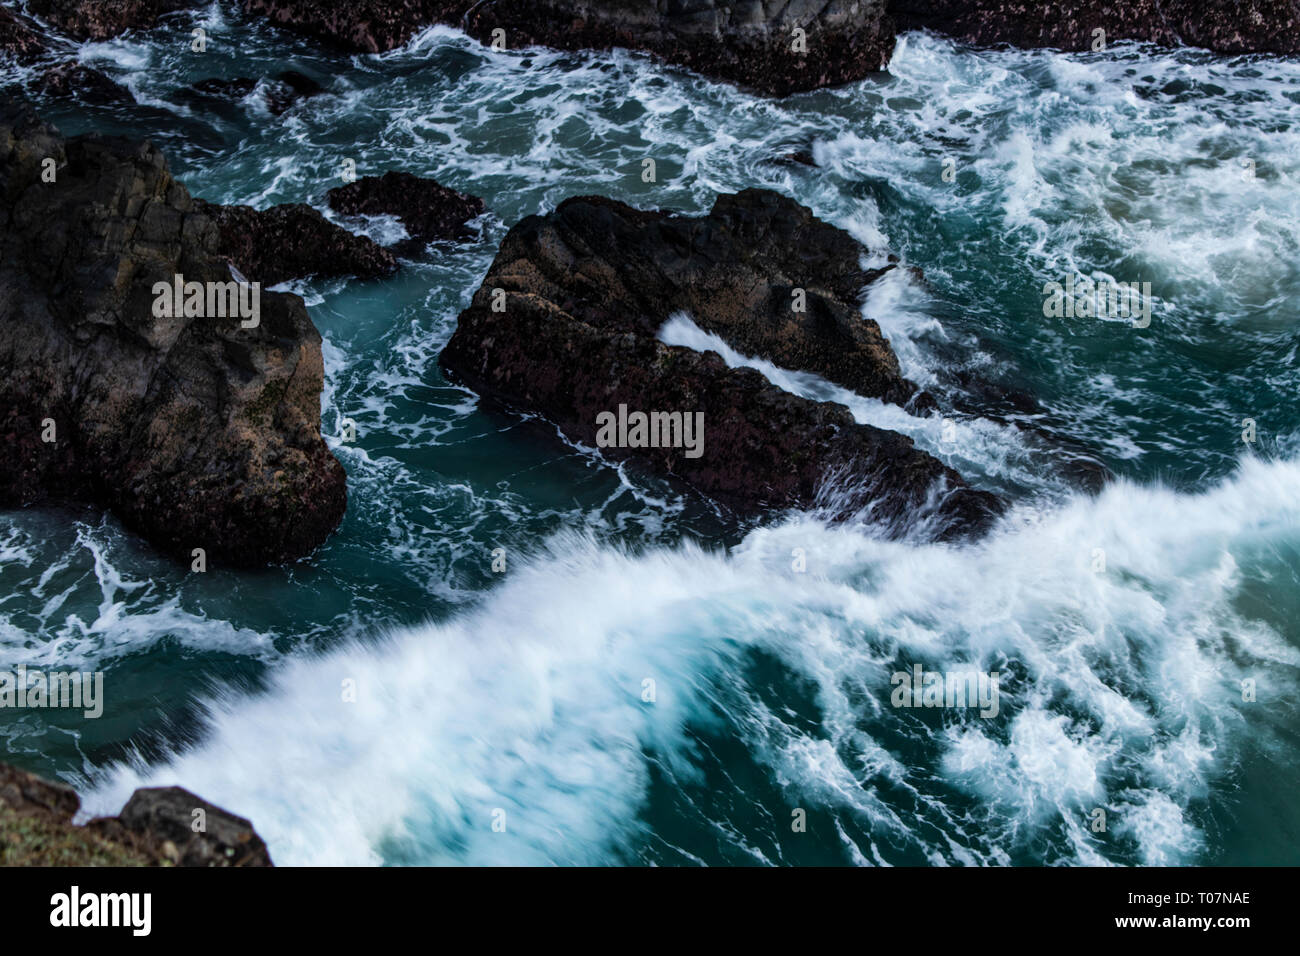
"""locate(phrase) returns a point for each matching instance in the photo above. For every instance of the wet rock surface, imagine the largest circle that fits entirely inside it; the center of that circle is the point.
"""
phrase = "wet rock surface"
(20, 38)
(199, 432)
(75, 81)
(101, 19)
(754, 43)
(565, 325)
(292, 241)
(428, 210)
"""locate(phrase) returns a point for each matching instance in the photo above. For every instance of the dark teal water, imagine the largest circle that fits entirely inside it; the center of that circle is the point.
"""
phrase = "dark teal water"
(481, 694)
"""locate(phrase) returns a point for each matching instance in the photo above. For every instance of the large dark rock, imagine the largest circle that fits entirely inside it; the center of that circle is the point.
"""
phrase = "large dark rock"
(1225, 26)
(426, 208)
(101, 19)
(291, 241)
(184, 828)
(197, 431)
(585, 290)
(158, 826)
(752, 42)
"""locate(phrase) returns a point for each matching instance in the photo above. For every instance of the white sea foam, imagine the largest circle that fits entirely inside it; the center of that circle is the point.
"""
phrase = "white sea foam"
(1128, 697)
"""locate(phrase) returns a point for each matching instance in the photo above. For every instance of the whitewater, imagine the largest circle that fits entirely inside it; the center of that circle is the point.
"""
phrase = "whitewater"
(650, 681)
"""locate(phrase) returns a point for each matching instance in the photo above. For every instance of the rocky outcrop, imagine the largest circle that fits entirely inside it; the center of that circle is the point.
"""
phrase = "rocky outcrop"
(1225, 26)
(781, 47)
(291, 241)
(157, 827)
(185, 829)
(427, 209)
(772, 45)
(199, 431)
(565, 324)
(19, 37)
(101, 19)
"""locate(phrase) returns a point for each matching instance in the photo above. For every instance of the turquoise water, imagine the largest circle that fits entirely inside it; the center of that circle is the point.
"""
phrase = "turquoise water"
(522, 692)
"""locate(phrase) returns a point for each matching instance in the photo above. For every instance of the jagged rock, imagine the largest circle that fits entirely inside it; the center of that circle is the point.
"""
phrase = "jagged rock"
(284, 91)
(752, 42)
(156, 827)
(1225, 26)
(198, 432)
(19, 37)
(83, 83)
(162, 820)
(426, 208)
(586, 288)
(367, 26)
(291, 241)
(101, 19)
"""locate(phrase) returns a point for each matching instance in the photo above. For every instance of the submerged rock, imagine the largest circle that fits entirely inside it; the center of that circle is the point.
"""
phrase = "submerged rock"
(156, 827)
(160, 821)
(280, 93)
(779, 47)
(80, 82)
(198, 431)
(291, 241)
(426, 208)
(565, 325)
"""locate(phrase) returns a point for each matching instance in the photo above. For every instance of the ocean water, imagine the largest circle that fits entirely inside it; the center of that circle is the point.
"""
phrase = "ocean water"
(1123, 624)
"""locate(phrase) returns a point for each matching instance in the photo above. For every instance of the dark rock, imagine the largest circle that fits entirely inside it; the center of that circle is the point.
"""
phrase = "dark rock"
(83, 83)
(366, 26)
(196, 431)
(585, 291)
(163, 820)
(752, 42)
(27, 794)
(101, 19)
(292, 241)
(156, 827)
(1225, 26)
(798, 157)
(737, 271)
(283, 92)
(289, 88)
(19, 37)
(426, 208)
